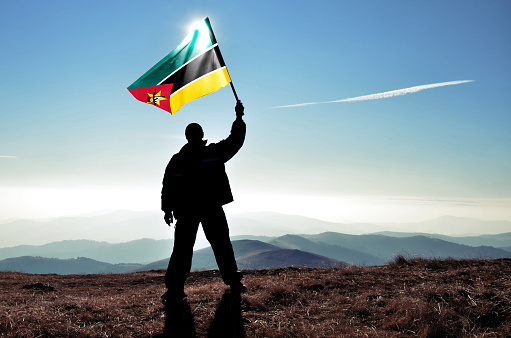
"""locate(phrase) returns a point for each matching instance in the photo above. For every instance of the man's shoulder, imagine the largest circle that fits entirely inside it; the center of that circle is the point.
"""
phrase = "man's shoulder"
(181, 153)
(176, 158)
(211, 148)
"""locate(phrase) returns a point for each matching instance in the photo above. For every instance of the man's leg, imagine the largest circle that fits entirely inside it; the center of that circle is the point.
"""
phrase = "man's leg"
(181, 259)
(216, 230)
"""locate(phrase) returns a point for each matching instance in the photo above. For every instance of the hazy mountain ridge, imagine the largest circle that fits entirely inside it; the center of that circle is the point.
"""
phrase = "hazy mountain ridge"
(113, 227)
(288, 250)
(458, 226)
(255, 251)
(386, 247)
(280, 224)
(348, 248)
(498, 241)
(138, 251)
(123, 226)
(80, 265)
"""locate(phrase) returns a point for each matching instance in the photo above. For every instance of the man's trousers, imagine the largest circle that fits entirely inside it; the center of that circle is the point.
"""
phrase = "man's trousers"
(214, 224)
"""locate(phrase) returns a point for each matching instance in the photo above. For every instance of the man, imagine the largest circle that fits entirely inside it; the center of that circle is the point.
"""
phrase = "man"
(195, 187)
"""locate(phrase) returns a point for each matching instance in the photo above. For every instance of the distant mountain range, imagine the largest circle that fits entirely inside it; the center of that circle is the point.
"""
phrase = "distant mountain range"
(275, 224)
(385, 247)
(456, 226)
(141, 251)
(80, 265)
(124, 226)
(328, 249)
(499, 241)
(113, 227)
(260, 240)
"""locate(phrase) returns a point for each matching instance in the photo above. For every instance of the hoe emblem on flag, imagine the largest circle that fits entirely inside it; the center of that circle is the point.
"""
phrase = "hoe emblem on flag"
(155, 98)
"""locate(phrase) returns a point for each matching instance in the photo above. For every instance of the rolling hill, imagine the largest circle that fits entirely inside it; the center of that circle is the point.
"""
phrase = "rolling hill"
(386, 247)
(497, 240)
(327, 249)
(341, 253)
(252, 254)
(80, 265)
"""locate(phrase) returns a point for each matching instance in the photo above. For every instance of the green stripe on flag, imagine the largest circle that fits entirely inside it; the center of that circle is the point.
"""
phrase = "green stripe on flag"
(195, 43)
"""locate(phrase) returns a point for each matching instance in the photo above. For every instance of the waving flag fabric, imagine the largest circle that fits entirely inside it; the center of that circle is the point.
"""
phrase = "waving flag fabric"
(193, 69)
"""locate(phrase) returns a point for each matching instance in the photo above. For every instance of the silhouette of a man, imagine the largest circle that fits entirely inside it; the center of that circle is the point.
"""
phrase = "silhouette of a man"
(195, 187)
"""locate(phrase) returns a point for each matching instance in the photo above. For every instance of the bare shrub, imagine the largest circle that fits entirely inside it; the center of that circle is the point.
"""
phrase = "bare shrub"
(399, 260)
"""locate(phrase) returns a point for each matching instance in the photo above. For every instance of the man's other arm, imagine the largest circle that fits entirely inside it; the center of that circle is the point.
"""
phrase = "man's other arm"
(166, 194)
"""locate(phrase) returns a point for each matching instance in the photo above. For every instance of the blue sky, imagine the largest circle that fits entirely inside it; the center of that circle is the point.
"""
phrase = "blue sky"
(73, 140)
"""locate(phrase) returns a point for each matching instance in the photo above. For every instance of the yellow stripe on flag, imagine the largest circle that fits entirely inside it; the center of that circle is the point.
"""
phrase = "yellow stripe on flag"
(200, 87)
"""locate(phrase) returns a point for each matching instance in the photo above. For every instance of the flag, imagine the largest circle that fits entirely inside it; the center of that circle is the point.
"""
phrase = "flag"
(193, 69)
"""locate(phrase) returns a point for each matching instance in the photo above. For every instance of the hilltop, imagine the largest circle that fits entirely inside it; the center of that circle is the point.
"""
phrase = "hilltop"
(406, 298)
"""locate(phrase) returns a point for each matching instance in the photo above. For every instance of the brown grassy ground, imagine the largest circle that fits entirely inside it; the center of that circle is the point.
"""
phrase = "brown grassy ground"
(408, 298)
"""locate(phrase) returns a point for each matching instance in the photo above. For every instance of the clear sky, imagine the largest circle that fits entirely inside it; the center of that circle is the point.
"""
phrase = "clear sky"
(73, 140)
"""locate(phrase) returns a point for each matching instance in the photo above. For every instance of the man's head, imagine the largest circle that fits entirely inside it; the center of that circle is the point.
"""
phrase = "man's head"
(194, 132)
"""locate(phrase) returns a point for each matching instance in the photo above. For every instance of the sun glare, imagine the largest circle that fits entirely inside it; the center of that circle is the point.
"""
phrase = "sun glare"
(47, 202)
(371, 209)
(196, 25)
(201, 30)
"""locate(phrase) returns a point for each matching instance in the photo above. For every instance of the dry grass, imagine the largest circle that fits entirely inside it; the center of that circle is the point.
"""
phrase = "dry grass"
(406, 298)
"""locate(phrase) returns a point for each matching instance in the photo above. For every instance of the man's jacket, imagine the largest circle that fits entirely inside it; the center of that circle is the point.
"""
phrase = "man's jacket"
(196, 175)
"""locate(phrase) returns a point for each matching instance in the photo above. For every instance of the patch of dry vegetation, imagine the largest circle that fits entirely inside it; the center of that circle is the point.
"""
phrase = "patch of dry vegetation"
(406, 298)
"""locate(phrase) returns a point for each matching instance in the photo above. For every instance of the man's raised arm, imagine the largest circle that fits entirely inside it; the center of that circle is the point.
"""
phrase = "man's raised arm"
(230, 146)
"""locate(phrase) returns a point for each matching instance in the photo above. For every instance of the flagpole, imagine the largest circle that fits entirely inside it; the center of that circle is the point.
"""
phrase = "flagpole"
(234, 92)
(213, 38)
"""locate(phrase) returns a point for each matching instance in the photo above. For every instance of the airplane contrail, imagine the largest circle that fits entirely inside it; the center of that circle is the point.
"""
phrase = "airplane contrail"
(383, 95)
(9, 157)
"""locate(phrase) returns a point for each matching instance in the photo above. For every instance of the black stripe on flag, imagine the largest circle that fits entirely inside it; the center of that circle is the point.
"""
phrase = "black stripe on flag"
(202, 65)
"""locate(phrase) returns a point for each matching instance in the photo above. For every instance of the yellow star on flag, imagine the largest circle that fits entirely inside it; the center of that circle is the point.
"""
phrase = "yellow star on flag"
(156, 98)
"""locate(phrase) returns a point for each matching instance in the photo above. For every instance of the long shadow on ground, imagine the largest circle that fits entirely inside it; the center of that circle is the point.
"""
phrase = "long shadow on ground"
(179, 321)
(228, 321)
